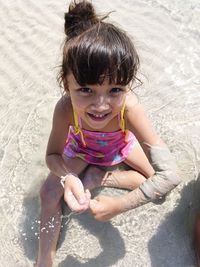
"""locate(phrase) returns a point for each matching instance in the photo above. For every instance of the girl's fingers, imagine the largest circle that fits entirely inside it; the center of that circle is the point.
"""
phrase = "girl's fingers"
(93, 205)
(74, 204)
(71, 201)
(87, 194)
(78, 191)
(76, 198)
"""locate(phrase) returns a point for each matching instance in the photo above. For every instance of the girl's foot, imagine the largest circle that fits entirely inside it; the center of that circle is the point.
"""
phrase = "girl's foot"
(96, 177)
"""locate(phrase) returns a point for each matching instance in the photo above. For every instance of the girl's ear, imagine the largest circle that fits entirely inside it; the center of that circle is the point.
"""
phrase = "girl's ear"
(66, 87)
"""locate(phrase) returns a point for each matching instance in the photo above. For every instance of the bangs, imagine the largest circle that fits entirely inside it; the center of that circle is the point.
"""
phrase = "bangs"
(101, 53)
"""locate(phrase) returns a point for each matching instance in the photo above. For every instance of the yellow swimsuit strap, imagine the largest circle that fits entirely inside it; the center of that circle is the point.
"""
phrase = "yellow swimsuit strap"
(77, 128)
(122, 123)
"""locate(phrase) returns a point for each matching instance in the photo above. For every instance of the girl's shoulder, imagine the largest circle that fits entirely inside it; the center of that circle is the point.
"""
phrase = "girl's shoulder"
(132, 101)
(134, 110)
(63, 110)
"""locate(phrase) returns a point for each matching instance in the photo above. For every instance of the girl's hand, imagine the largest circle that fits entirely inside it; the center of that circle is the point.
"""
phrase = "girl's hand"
(103, 208)
(76, 198)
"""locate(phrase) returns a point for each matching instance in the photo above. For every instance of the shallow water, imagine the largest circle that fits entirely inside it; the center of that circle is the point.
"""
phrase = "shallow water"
(167, 35)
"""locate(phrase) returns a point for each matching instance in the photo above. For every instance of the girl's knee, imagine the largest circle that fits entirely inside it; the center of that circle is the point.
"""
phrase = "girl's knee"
(51, 191)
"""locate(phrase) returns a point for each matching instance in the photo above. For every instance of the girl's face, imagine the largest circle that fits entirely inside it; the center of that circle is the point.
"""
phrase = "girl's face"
(97, 104)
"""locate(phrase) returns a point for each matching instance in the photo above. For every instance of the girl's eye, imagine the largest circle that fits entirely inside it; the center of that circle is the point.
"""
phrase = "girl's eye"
(85, 90)
(116, 90)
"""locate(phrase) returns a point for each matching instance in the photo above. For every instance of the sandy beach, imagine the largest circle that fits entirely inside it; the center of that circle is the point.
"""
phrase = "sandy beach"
(167, 36)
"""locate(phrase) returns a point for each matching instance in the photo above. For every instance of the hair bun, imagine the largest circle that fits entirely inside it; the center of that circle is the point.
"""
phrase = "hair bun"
(80, 17)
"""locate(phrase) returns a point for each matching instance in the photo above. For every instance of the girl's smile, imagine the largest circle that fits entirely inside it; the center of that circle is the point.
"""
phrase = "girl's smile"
(98, 117)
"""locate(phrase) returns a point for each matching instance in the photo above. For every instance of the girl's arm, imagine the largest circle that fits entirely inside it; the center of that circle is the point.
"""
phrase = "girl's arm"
(165, 177)
(138, 122)
(74, 194)
(57, 138)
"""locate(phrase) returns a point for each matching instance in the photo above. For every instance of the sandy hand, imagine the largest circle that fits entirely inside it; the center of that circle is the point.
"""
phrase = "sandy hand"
(103, 208)
(76, 198)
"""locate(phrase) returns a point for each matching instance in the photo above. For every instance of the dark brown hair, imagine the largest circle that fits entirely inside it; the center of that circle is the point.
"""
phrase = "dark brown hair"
(95, 50)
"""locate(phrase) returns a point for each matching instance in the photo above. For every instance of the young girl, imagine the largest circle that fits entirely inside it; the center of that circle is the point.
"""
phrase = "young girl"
(98, 123)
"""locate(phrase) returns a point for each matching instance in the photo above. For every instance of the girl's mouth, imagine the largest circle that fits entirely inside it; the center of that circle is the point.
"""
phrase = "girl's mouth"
(98, 117)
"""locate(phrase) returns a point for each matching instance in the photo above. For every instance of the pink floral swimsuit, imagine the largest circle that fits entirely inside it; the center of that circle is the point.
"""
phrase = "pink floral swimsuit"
(99, 148)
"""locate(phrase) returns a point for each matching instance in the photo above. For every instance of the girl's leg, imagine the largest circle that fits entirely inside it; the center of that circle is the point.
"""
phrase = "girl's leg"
(139, 161)
(51, 194)
(97, 177)
(129, 179)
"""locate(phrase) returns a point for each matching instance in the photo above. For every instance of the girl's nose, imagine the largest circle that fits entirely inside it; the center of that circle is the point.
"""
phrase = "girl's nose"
(101, 103)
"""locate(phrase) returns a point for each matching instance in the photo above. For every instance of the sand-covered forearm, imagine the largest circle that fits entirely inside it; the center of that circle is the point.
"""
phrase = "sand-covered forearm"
(165, 177)
(155, 187)
(133, 200)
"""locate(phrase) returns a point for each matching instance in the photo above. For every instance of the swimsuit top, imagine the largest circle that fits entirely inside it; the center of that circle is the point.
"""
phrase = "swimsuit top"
(78, 126)
(100, 148)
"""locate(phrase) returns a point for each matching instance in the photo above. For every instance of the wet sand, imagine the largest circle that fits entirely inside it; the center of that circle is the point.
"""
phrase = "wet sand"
(167, 37)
